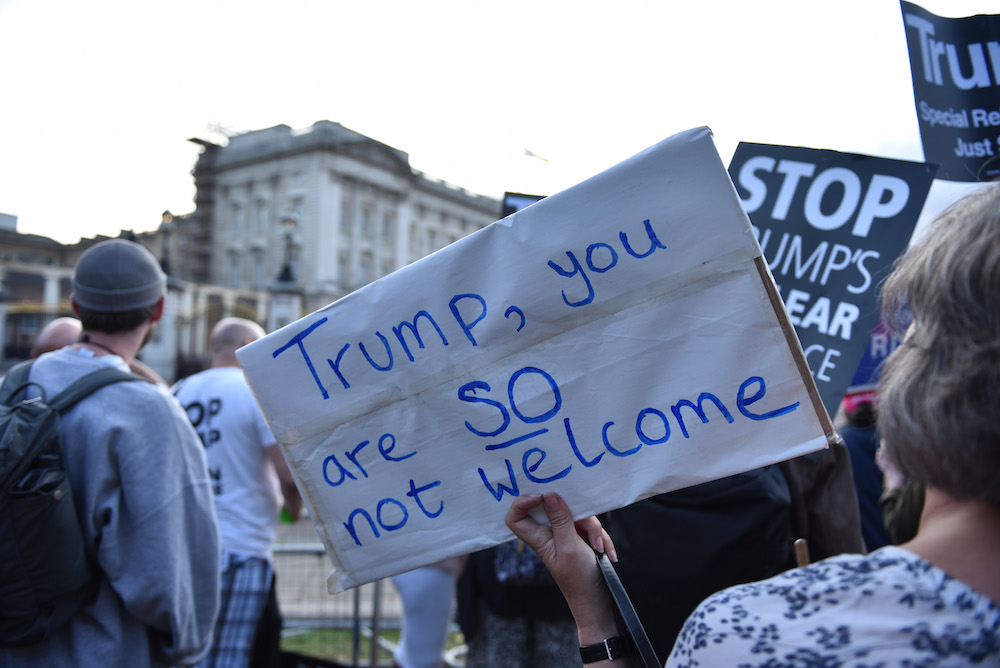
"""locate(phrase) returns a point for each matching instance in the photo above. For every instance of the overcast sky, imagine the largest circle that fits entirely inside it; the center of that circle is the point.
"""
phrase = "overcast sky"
(100, 97)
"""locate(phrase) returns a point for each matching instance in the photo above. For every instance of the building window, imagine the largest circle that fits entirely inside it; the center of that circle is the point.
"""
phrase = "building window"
(366, 269)
(387, 226)
(262, 215)
(431, 241)
(366, 222)
(258, 270)
(234, 270)
(345, 218)
(236, 213)
(342, 274)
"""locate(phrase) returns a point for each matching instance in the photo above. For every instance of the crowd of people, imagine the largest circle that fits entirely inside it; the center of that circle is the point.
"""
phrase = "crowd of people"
(179, 491)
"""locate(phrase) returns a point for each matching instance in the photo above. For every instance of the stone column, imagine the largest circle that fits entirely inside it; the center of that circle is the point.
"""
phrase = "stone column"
(50, 293)
(284, 308)
(402, 234)
(199, 329)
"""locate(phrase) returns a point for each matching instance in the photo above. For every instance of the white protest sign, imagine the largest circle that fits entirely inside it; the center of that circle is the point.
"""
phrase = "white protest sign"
(617, 340)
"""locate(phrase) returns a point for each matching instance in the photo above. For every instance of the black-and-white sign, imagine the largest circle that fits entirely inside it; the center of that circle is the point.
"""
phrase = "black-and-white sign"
(830, 225)
(956, 86)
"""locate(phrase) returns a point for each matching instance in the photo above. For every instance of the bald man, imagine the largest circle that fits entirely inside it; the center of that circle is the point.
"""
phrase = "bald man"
(59, 333)
(250, 481)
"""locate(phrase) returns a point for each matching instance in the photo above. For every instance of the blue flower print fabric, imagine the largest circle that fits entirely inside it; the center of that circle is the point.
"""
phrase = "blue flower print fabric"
(889, 608)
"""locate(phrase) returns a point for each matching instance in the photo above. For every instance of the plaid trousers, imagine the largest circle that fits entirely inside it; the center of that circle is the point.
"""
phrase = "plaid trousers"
(246, 583)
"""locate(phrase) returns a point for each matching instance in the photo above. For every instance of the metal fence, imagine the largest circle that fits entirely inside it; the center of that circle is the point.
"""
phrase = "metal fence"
(355, 628)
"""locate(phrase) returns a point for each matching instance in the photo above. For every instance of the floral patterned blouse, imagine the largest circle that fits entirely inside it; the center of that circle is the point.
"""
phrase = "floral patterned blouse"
(889, 608)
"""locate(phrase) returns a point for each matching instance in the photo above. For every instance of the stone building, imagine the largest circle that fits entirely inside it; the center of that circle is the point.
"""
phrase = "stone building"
(35, 288)
(35, 276)
(285, 222)
(317, 212)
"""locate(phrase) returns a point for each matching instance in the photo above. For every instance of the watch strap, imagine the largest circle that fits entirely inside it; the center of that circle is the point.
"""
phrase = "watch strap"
(609, 648)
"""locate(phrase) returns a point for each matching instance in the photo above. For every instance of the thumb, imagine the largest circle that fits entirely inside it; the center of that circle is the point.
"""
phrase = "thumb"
(560, 517)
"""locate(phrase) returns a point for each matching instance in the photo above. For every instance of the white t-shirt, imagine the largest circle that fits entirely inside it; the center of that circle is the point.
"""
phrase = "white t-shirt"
(247, 492)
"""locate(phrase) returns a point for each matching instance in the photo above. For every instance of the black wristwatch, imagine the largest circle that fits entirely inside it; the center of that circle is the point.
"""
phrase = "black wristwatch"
(609, 648)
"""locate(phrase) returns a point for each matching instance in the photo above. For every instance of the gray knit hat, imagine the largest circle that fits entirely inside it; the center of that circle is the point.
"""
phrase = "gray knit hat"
(117, 275)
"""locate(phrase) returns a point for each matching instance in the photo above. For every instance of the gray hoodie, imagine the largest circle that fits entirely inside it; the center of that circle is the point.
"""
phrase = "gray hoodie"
(141, 487)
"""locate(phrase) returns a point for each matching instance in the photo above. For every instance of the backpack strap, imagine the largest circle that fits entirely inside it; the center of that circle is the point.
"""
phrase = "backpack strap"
(15, 380)
(89, 383)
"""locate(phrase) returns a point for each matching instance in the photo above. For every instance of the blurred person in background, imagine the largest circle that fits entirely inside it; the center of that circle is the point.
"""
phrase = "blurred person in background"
(252, 483)
(62, 332)
(861, 437)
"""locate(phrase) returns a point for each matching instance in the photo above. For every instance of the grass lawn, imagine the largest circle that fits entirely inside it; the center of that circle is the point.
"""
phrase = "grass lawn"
(338, 644)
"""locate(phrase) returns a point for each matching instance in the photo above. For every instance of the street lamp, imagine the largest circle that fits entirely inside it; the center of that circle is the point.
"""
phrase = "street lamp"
(288, 271)
(167, 229)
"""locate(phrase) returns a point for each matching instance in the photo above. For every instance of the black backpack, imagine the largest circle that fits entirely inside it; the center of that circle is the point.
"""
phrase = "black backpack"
(46, 574)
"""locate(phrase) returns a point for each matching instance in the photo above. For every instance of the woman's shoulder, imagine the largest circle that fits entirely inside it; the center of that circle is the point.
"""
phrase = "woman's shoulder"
(890, 576)
(886, 604)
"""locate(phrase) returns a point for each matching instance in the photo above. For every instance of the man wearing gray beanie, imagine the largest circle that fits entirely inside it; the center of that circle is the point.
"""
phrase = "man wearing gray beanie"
(140, 483)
